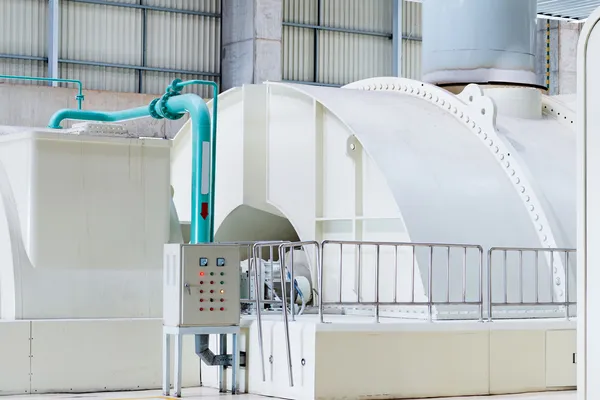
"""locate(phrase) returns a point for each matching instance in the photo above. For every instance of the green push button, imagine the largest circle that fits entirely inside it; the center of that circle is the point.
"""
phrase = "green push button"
(222, 282)
(212, 273)
(222, 273)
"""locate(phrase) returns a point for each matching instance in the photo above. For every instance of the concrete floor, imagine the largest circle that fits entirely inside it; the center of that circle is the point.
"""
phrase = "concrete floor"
(210, 394)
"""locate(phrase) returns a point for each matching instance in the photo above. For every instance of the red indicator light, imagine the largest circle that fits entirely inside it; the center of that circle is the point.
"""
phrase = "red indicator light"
(202, 273)
(222, 309)
(222, 300)
(212, 291)
(212, 309)
(201, 291)
(201, 300)
(201, 309)
(212, 282)
(201, 282)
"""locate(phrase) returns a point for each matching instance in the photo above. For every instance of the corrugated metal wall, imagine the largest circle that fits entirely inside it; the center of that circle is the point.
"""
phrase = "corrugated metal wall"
(340, 41)
(359, 47)
(23, 33)
(103, 44)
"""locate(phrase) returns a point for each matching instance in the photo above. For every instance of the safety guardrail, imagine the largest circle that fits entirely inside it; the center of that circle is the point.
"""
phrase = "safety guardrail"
(517, 264)
(393, 257)
(387, 255)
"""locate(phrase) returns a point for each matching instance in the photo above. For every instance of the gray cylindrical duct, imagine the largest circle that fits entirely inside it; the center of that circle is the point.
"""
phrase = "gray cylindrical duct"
(479, 41)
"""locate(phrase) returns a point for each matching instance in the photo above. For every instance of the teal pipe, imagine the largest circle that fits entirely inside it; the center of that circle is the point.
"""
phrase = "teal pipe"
(101, 116)
(172, 106)
(79, 96)
(178, 86)
(202, 215)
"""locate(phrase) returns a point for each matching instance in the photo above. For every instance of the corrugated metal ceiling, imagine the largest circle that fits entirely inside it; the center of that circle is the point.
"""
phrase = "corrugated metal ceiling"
(567, 9)
(574, 10)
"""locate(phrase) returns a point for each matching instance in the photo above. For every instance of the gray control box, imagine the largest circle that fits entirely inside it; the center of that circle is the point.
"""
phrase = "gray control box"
(201, 285)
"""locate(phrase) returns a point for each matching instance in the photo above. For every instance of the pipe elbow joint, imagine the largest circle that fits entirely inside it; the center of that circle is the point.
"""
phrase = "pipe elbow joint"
(57, 119)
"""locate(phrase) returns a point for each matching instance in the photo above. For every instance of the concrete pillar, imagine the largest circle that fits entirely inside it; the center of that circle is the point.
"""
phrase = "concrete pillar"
(252, 31)
(562, 41)
(567, 57)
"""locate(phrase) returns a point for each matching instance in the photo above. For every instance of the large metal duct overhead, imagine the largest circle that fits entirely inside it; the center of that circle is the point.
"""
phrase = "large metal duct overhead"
(479, 41)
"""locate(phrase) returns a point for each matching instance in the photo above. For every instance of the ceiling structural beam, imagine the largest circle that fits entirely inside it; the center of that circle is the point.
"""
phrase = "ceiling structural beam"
(150, 8)
(53, 39)
(334, 29)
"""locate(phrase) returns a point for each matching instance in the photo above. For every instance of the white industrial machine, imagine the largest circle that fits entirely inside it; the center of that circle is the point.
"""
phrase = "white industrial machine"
(400, 192)
(201, 292)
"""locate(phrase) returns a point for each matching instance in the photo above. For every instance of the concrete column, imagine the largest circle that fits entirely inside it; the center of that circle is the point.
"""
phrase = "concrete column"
(567, 57)
(252, 31)
(563, 40)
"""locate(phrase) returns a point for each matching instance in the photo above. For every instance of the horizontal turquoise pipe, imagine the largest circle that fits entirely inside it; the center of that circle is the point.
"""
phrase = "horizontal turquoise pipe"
(199, 115)
(79, 96)
(102, 116)
(213, 150)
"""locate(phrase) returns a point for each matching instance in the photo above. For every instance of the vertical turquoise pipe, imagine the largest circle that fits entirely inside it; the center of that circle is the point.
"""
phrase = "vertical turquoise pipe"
(79, 96)
(178, 85)
(173, 105)
(202, 215)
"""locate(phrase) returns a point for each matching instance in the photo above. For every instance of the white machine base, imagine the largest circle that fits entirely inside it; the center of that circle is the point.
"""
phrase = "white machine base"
(349, 358)
(178, 333)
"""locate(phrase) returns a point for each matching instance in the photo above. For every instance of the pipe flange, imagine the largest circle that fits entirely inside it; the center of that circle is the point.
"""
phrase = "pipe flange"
(163, 107)
(174, 87)
(152, 109)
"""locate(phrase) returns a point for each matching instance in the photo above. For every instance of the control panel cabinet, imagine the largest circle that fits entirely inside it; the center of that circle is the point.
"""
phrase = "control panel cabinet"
(201, 285)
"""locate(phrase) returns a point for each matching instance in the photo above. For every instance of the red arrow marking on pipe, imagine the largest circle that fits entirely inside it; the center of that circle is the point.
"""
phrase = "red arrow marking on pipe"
(204, 212)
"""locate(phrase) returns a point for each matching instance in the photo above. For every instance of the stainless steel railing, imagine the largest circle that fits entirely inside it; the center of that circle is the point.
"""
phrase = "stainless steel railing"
(463, 261)
(515, 263)
(376, 265)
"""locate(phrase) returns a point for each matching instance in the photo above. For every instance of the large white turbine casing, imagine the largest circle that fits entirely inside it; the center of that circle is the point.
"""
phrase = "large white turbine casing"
(391, 159)
(480, 41)
(83, 220)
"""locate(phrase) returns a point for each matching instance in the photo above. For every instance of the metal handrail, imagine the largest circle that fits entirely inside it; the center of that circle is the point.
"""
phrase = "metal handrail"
(377, 303)
(256, 258)
(520, 252)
